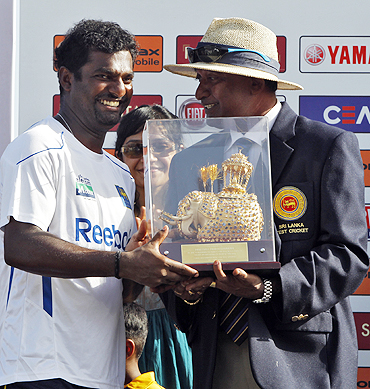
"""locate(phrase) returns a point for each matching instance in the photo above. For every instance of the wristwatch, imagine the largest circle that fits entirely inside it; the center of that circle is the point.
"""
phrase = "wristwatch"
(267, 292)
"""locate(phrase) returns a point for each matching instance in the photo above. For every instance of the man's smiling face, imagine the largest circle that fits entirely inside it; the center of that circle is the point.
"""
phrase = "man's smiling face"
(225, 95)
(103, 89)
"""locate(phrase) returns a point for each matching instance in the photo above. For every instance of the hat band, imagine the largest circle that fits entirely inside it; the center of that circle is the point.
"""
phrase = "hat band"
(247, 59)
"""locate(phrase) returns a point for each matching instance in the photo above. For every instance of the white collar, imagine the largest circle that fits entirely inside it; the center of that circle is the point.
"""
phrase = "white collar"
(273, 113)
(271, 117)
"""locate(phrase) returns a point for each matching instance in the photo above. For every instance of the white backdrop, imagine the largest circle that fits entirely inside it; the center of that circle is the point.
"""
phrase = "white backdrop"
(27, 29)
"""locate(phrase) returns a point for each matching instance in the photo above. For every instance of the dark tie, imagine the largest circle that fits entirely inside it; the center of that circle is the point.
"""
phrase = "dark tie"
(234, 310)
(234, 317)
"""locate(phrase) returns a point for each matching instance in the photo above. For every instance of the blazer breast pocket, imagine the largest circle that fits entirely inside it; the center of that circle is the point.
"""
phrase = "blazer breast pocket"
(294, 210)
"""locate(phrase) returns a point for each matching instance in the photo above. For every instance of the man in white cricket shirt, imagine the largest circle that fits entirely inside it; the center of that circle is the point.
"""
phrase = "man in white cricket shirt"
(66, 214)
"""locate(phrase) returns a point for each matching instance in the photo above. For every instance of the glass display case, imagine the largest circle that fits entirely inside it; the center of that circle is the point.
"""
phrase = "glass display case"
(209, 181)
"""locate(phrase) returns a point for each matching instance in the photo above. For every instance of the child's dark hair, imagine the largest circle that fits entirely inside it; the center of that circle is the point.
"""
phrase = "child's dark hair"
(136, 322)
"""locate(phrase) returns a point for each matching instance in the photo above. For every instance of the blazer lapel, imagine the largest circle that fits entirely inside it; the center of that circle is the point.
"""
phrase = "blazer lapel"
(281, 132)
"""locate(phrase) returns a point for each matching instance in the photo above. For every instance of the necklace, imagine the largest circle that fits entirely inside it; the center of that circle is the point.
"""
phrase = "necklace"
(64, 120)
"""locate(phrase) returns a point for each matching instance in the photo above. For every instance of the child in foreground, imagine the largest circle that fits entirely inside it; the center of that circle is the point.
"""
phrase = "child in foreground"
(136, 323)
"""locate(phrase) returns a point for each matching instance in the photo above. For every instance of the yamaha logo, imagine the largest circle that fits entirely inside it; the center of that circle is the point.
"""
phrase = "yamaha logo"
(334, 54)
(314, 54)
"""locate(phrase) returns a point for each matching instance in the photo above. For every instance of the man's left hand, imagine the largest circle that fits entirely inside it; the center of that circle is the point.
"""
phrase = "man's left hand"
(239, 283)
(140, 237)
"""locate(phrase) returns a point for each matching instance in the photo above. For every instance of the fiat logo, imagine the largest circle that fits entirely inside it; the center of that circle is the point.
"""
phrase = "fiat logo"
(192, 110)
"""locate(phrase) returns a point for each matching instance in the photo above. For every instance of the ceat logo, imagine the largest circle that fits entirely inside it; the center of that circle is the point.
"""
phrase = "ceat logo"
(314, 54)
(351, 113)
(185, 41)
(334, 54)
(150, 58)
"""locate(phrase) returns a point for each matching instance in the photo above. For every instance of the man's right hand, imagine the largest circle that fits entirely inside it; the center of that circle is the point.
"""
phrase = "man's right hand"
(147, 266)
(31, 249)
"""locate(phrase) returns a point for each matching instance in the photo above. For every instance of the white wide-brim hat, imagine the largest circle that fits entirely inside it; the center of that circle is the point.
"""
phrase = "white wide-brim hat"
(244, 34)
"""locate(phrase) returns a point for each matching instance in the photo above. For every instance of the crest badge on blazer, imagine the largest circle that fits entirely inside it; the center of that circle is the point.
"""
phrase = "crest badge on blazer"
(293, 211)
(290, 203)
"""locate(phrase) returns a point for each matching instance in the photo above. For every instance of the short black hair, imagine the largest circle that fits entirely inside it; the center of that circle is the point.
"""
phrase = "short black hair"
(136, 323)
(133, 122)
(88, 35)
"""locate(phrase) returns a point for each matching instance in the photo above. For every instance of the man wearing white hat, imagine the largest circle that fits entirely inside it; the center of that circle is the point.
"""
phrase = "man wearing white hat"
(303, 333)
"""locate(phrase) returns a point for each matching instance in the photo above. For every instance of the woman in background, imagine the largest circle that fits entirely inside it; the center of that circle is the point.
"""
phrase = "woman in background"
(166, 351)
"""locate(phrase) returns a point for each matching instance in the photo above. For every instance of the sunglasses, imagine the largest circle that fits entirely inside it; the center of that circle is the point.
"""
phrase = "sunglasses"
(214, 53)
(160, 148)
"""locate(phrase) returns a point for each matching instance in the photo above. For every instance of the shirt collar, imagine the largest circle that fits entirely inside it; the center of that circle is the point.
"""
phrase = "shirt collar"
(273, 114)
(271, 117)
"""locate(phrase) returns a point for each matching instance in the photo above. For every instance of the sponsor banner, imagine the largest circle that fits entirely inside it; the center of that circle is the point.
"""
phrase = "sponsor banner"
(185, 41)
(351, 113)
(281, 46)
(187, 106)
(334, 54)
(56, 42)
(365, 154)
(363, 377)
(56, 104)
(362, 322)
(182, 43)
(190, 108)
(364, 288)
(150, 58)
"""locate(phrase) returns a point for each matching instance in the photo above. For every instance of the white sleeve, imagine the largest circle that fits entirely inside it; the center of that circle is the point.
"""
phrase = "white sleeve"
(28, 188)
